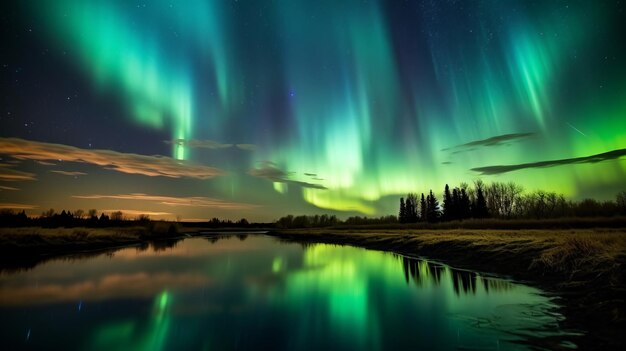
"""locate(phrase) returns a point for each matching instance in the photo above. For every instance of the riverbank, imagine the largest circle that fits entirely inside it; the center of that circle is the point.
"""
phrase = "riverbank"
(26, 247)
(585, 267)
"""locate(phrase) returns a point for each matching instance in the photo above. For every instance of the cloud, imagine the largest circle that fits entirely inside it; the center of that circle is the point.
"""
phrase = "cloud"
(193, 201)
(269, 171)
(68, 173)
(138, 212)
(611, 155)
(209, 144)
(152, 166)
(14, 206)
(247, 147)
(2, 187)
(9, 174)
(44, 163)
(310, 174)
(493, 141)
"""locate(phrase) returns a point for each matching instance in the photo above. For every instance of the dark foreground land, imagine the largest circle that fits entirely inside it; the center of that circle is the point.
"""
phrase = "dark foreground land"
(586, 267)
(583, 266)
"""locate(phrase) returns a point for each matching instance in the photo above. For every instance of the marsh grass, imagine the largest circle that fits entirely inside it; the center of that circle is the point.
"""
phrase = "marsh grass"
(41, 237)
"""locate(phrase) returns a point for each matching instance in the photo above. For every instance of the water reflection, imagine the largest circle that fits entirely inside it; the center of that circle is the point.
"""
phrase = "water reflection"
(249, 291)
(463, 282)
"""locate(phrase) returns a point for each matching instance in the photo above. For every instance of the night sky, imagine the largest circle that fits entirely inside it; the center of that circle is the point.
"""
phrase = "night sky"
(257, 109)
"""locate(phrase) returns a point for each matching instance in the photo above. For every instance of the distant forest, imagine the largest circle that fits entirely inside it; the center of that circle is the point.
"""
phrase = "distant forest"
(479, 202)
(93, 219)
(502, 200)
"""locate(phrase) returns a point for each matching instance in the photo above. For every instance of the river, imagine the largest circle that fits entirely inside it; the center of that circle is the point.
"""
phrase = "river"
(251, 291)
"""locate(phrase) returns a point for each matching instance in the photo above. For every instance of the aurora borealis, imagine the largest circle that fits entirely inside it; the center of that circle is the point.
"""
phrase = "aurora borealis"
(261, 108)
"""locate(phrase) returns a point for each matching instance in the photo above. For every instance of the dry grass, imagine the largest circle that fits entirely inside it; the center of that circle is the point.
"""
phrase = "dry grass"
(40, 237)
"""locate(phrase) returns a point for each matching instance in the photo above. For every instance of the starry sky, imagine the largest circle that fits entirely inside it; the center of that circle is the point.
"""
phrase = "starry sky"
(195, 109)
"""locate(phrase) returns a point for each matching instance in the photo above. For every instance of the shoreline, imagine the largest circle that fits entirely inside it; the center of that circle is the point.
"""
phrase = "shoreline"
(590, 293)
(27, 247)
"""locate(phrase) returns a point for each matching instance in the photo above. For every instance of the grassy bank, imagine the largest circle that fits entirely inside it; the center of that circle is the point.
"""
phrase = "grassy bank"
(583, 266)
(38, 240)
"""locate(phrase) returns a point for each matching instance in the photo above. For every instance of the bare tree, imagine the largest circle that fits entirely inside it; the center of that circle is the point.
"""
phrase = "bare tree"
(143, 218)
(79, 214)
(117, 216)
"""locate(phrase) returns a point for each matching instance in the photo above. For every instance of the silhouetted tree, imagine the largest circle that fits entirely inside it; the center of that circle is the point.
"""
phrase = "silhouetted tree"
(92, 213)
(402, 212)
(464, 205)
(143, 218)
(432, 213)
(448, 210)
(117, 216)
(620, 200)
(411, 208)
(423, 208)
(479, 208)
(456, 204)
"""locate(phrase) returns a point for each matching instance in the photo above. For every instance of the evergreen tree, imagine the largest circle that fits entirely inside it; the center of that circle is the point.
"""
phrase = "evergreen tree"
(411, 208)
(456, 204)
(480, 206)
(432, 214)
(448, 206)
(423, 208)
(464, 205)
(402, 214)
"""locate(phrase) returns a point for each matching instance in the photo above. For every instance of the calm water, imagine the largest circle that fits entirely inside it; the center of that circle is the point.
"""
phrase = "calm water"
(253, 292)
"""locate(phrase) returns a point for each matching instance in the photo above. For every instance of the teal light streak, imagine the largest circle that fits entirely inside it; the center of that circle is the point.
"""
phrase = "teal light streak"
(124, 52)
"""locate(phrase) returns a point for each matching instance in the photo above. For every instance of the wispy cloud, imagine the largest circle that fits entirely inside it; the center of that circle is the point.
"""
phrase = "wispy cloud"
(69, 173)
(14, 206)
(209, 144)
(269, 171)
(138, 212)
(2, 187)
(493, 141)
(121, 162)
(247, 147)
(193, 201)
(611, 155)
(8, 174)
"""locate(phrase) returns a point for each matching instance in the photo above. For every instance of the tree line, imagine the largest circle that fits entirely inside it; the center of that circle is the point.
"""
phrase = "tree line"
(502, 200)
(93, 219)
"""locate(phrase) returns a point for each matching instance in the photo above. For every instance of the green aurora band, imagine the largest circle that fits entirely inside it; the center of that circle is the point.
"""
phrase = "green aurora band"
(366, 95)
